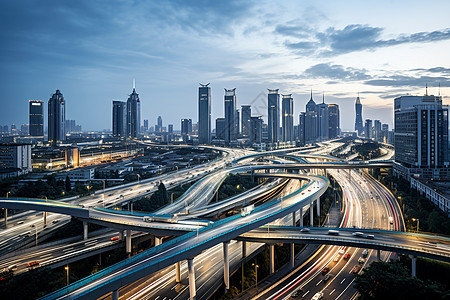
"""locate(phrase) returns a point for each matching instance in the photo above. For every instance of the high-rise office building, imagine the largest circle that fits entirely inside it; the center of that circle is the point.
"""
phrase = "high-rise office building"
(159, 124)
(186, 126)
(322, 120)
(368, 129)
(56, 118)
(146, 125)
(246, 114)
(256, 130)
(119, 119)
(17, 156)
(170, 128)
(133, 114)
(220, 128)
(301, 128)
(311, 121)
(204, 114)
(36, 118)
(385, 133)
(287, 118)
(238, 132)
(273, 116)
(358, 120)
(334, 127)
(421, 137)
(230, 115)
(377, 130)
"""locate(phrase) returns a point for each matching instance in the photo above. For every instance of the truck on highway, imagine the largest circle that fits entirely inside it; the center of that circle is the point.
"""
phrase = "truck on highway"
(247, 210)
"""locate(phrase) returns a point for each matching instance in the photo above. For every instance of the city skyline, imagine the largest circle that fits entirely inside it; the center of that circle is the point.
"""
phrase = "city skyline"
(338, 48)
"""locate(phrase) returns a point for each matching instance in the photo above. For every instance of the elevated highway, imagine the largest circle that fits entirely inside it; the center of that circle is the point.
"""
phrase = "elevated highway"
(416, 244)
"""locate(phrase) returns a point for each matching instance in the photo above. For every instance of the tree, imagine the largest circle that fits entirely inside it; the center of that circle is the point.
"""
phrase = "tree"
(393, 280)
(68, 184)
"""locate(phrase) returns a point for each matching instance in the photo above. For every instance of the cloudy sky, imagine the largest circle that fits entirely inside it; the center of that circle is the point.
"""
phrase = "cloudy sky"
(92, 50)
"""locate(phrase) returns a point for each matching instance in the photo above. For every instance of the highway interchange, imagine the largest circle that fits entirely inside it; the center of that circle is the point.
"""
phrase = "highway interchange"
(361, 209)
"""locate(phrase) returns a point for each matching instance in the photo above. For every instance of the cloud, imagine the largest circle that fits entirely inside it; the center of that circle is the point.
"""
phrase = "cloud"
(354, 37)
(415, 81)
(335, 72)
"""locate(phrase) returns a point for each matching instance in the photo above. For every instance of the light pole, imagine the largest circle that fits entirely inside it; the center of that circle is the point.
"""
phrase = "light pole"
(67, 274)
(414, 219)
(45, 213)
(139, 177)
(6, 210)
(256, 274)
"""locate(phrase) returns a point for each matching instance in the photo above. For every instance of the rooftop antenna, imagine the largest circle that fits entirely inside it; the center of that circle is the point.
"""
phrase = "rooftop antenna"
(439, 90)
(323, 97)
(134, 83)
(311, 93)
(426, 89)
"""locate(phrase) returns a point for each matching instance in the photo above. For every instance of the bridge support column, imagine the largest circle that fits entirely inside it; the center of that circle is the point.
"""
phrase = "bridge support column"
(158, 240)
(226, 265)
(45, 218)
(301, 217)
(115, 295)
(85, 230)
(121, 235)
(413, 266)
(244, 249)
(292, 256)
(6, 217)
(178, 272)
(272, 259)
(128, 241)
(311, 214)
(293, 219)
(191, 275)
(379, 255)
(318, 206)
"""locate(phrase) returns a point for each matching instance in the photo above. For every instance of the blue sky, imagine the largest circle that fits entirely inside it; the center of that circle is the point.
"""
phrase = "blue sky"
(92, 50)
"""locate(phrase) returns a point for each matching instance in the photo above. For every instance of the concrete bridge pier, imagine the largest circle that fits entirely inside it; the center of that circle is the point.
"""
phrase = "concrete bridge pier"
(413, 266)
(128, 241)
(292, 256)
(178, 272)
(301, 216)
(45, 218)
(121, 235)
(226, 265)
(311, 214)
(85, 230)
(379, 255)
(115, 295)
(6, 217)
(271, 258)
(318, 206)
(158, 240)
(293, 219)
(191, 275)
(244, 249)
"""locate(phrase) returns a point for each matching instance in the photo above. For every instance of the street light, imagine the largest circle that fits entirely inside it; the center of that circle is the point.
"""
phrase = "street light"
(256, 274)
(67, 274)
(414, 219)
(6, 210)
(139, 177)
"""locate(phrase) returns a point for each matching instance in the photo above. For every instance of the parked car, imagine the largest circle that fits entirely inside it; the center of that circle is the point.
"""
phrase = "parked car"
(356, 269)
(317, 296)
(297, 293)
(325, 270)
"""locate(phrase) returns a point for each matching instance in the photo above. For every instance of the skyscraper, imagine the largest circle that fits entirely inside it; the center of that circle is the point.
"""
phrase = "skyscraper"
(322, 120)
(220, 128)
(287, 117)
(56, 118)
(204, 114)
(133, 114)
(421, 137)
(334, 127)
(273, 113)
(230, 115)
(311, 121)
(119, 119)
(358, 120)
(36, 118)
(159, 124)
(256, 130)
(377, 131)
(301, 128)
(186, 126)
(246, 114)
(368, 129)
